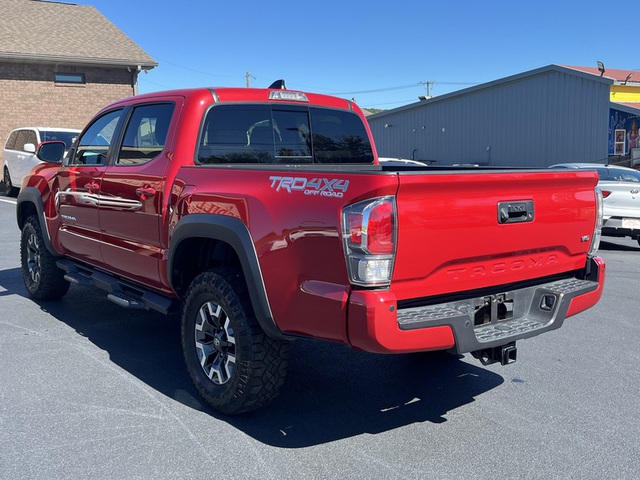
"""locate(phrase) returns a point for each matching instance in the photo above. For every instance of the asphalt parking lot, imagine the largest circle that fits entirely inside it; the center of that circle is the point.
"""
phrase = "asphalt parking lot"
(89, 390)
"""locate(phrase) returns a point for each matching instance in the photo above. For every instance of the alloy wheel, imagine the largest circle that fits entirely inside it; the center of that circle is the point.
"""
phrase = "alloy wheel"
(34, 266)
(215, 343)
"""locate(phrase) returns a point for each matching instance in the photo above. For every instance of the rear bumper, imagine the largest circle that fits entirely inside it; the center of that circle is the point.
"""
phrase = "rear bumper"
(376, 325)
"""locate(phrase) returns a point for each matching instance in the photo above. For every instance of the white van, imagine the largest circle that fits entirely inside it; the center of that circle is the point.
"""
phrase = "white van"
(18, 157)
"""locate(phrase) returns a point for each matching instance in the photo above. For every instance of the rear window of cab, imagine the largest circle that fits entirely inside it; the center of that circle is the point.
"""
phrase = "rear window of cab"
(289, 134)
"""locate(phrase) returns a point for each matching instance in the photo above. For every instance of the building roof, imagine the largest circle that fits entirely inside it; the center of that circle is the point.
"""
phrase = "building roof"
(629, 107)
(43, 31)
(617, 75)
(493, 84)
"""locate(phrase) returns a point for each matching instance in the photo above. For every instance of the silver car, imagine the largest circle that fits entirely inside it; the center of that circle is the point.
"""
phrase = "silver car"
(621, 197)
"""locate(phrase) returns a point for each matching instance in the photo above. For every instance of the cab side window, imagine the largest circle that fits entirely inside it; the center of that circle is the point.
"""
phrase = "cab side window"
(94, 144)
(237, 134)
(146, 133)
(339, 137)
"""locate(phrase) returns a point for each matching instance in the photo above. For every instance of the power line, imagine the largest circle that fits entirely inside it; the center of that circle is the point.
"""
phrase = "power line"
(458, 83)
(398, 102)
(387, 89)
(146, 80)
(425, 84)
(398, 87)
(198, 71)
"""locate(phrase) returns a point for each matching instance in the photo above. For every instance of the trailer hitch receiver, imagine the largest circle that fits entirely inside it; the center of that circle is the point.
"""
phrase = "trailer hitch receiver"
(505, 354)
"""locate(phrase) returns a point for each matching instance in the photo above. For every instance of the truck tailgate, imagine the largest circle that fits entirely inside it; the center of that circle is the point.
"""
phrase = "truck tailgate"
(476, 229)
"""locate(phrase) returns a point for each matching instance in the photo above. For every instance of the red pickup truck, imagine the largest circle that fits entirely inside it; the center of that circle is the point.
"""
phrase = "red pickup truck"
(264, 215)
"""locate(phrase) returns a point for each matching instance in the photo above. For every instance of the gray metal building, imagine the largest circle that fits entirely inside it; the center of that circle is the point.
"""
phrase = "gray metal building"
(537, 118)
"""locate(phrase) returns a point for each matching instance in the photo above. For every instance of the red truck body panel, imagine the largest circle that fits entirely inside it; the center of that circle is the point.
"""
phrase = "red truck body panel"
(449, 240)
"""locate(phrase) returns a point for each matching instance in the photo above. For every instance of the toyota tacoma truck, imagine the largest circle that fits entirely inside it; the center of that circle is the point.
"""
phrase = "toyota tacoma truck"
(264, 215)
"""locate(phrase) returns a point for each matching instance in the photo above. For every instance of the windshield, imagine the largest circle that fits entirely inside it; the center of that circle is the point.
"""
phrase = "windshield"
(66, 137)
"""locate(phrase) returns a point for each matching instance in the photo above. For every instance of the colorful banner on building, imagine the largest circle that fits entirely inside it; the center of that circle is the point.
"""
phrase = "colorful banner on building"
(623, 132)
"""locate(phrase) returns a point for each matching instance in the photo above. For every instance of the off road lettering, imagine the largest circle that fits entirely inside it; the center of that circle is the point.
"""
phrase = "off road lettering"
(322, 187)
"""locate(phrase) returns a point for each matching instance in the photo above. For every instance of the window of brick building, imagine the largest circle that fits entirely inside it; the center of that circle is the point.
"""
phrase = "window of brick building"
(76, 78)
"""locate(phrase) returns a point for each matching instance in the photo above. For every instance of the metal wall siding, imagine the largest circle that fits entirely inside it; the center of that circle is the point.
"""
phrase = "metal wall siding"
(534, 121)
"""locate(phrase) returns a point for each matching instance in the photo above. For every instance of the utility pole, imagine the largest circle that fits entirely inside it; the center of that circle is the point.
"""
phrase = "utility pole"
(248, 77)
(428, 85)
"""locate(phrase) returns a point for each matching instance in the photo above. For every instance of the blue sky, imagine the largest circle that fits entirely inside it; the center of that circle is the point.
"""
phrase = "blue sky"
(375, 51)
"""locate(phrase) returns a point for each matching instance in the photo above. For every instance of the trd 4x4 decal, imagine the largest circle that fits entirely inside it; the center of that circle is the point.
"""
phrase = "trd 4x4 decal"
(323, 187)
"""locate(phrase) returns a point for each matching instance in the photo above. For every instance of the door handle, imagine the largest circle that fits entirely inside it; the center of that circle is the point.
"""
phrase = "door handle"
(145, 192)
(92, 187)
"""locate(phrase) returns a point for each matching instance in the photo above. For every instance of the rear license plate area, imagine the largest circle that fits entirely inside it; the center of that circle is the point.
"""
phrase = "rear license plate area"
(631, 223)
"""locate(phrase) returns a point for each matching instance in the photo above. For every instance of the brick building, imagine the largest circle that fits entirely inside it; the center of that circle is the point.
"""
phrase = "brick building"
(60, 63)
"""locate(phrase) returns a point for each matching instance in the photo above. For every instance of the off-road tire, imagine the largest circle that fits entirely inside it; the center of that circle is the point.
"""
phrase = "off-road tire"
(42, 277)
(233, 364)
(7, 187)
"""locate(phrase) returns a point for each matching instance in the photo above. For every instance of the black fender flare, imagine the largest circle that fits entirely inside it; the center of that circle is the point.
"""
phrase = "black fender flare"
(31, 195)
(235, 233)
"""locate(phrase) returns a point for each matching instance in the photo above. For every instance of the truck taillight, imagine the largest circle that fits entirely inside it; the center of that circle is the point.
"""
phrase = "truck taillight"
(597, 229)
(369, 236)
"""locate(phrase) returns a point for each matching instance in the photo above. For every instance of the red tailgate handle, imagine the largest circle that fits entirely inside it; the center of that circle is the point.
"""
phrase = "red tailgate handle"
(145, 192)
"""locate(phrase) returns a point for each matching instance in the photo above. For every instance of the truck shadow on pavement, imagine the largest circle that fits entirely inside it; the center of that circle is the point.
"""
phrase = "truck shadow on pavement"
(11, 282)
(331, 391)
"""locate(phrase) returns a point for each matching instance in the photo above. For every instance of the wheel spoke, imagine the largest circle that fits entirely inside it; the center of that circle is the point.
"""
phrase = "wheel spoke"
(202, 314)
(214, 314)
(202, 353)
(231, 359)
(217, 371)
(229, 332)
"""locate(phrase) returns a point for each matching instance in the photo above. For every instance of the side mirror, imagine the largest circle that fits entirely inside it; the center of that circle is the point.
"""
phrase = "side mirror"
(29, 148)
(52, 152)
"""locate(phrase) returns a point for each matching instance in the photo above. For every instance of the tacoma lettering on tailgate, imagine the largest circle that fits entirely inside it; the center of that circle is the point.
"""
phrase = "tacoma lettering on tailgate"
(497, 268)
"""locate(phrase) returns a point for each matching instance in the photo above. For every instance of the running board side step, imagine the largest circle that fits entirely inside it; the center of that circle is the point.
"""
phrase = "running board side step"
(120, 292)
